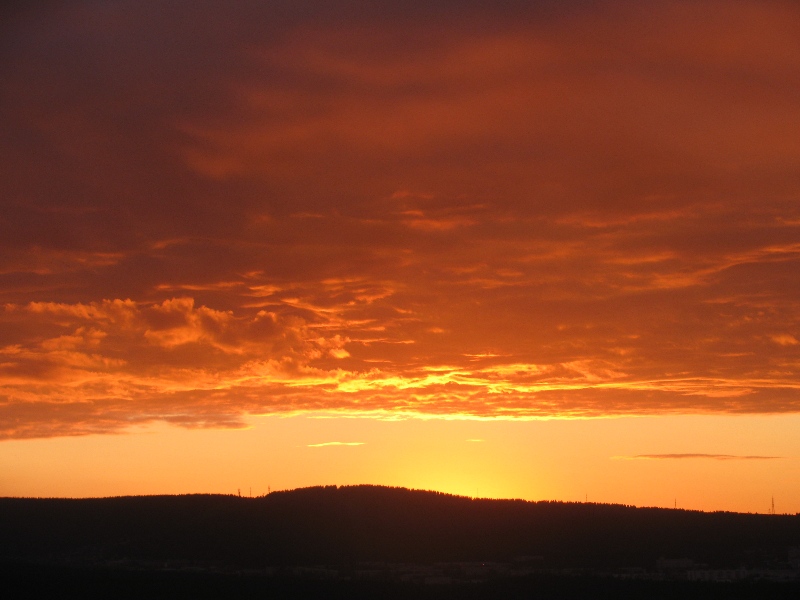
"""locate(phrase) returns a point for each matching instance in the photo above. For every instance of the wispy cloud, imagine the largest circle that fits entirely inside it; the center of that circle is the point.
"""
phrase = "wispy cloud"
(697, 456)
(784, 339)
(323, 444)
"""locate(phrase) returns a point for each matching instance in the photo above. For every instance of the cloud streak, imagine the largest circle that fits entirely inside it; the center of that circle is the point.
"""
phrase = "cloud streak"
(698, 456)
(326, 444)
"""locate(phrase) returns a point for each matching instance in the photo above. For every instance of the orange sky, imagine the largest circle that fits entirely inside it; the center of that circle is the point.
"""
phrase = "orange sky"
(220, 222)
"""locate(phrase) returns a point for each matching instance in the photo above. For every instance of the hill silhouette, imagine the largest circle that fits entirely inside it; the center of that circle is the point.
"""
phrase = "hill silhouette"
(357, 524)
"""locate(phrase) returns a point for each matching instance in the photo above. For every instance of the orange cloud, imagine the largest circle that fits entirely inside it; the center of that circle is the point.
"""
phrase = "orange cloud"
(450, 211)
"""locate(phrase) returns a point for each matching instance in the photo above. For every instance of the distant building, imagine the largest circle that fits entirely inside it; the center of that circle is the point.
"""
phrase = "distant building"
(674, 564)
(742, 574)
(718, 575)
(528, 560)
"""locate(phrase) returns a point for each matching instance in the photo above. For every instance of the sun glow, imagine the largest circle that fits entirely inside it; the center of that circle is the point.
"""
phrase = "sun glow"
(409, 244)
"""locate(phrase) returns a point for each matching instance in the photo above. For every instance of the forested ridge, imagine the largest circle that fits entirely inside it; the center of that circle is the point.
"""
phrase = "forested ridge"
(356, 524)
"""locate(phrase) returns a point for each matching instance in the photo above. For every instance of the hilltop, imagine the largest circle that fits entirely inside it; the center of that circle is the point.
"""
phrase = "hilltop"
(359, 524)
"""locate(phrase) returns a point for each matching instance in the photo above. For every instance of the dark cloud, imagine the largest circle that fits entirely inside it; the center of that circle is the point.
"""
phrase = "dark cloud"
(516, 210)
(711, 456)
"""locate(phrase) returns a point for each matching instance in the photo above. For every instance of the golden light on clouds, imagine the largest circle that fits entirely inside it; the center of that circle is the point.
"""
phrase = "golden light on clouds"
(450, 211)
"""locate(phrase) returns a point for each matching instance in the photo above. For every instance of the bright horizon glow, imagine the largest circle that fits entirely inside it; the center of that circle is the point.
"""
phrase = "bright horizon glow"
(570, 460)
(568, 230)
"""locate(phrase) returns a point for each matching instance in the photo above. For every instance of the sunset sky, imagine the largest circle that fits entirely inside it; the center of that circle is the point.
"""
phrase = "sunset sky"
(547, 250)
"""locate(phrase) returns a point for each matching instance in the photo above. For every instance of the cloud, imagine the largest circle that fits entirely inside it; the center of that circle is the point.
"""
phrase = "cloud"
(700, 456)
(784, 339)
(324, 444)
(456, 210)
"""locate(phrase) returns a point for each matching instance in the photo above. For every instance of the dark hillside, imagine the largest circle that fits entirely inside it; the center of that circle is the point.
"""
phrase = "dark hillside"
(349, 525)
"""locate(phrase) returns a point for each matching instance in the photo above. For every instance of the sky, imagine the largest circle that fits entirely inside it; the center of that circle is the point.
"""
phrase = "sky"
(545, 249)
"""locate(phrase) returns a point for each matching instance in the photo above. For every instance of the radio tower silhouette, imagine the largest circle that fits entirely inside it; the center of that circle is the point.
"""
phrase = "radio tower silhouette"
(773, 505)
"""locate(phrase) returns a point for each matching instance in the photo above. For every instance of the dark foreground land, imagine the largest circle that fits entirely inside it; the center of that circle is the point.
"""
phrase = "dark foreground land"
(37, 581)
(376, 542)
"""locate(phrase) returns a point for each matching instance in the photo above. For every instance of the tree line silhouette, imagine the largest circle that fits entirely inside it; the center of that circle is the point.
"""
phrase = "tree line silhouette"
(356, 524)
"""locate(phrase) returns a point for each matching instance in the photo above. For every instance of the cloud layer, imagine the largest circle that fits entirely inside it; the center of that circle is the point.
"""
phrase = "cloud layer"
(701, 456)
(457, 211)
